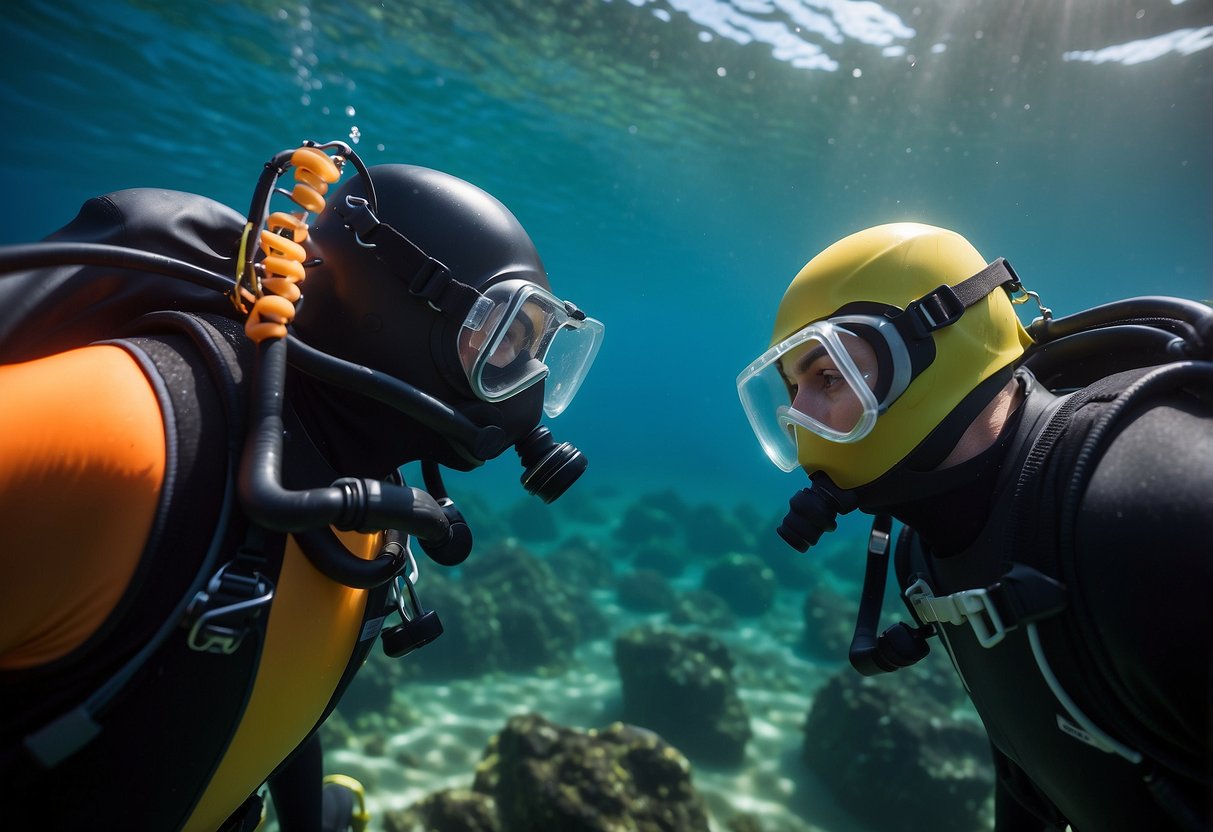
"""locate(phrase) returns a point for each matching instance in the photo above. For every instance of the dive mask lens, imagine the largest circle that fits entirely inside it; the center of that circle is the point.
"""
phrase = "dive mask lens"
(517, 334)
(819, 379)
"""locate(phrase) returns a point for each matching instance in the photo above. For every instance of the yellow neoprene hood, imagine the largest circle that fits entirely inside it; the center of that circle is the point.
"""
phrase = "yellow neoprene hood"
(896, 264)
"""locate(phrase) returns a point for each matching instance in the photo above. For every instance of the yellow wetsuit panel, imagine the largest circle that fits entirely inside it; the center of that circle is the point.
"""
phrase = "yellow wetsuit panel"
(312, 631)
(82, 456)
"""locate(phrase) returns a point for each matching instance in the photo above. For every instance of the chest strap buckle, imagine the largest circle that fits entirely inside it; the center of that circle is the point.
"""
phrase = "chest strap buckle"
(1021, 596)
(220, 616)
(972, 605)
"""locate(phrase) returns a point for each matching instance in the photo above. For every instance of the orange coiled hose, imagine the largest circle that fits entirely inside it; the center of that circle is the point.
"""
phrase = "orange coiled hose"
(282, 244)
(268, 318)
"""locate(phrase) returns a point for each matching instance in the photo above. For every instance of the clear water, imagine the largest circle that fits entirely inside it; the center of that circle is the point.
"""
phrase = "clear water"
(676, 161)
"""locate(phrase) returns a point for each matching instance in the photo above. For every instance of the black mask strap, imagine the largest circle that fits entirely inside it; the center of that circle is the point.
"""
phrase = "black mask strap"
(426, 278)
(944, 305)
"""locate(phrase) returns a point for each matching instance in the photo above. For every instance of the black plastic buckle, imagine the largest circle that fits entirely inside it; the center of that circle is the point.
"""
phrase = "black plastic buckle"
(220, 617)
(935, 310)
(430, 281)
(358, 217)
(1024, 595)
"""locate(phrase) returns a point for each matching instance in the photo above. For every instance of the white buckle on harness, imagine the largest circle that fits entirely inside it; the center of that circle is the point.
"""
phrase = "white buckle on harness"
(972, 605)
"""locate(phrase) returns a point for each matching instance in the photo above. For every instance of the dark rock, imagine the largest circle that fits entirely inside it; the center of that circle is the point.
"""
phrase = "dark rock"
(793, 570)
(829, 624)
(483, 518)
(547, 777)
(533, 520)
(584, 506)
(713, 532)
(682, 687)
(672, 503)
(889, 733)
(645, 591)
(749, 518)
(470, 641)
(453, 810)
(642, 522)
(526, 640)
(700, 608)
(669, 557)
(506, 609)
(743, 581)
(582, 563)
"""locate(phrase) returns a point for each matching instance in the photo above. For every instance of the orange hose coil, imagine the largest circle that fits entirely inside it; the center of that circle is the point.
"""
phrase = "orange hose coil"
(280, 246)
(280, 222)
(268, 318)
(281, 242)
(316, 162)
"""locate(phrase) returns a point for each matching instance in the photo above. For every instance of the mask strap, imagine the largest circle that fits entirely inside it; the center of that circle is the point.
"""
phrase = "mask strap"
(944, 305)
(426, 278)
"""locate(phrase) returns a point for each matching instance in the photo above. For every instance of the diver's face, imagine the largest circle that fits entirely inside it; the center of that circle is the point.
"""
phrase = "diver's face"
(519, 338)
(819, 389)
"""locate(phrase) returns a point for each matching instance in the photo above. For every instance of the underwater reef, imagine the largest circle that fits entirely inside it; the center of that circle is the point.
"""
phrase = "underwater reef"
(538, 775)
(643, 663)
(917, 755)
(682, 686)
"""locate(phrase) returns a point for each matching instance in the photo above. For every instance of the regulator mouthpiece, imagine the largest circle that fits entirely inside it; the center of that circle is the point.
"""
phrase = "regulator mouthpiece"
(550, 468)
(811, 513)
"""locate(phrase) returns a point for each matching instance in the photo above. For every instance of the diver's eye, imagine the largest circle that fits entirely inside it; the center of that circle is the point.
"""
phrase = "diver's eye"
(830, 378)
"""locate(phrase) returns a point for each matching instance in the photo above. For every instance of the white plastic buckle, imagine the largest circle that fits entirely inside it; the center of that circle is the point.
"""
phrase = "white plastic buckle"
(972, 605)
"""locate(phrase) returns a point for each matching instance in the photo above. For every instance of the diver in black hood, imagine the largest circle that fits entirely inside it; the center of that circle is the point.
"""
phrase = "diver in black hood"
(214, 412)
(482, 321)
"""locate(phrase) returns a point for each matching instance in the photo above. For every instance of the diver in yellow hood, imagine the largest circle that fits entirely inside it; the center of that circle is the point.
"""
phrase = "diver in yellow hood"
(1055, 486)
(203, 530)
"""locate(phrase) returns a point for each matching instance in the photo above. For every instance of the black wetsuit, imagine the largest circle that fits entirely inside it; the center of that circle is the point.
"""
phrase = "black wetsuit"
(1133, 646)
(169, 730)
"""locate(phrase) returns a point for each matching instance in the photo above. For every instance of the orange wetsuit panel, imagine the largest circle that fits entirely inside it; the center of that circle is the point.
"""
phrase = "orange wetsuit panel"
(82, 455)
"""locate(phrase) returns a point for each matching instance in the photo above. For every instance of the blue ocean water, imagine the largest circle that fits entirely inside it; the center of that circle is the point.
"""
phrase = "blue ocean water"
(675, 161)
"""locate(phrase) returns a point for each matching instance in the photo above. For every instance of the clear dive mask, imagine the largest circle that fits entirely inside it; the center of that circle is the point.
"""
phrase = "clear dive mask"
(833, 378)
(516, 334)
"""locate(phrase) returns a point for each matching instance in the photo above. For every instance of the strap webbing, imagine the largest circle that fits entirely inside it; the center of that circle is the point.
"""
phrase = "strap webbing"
(945, 304)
